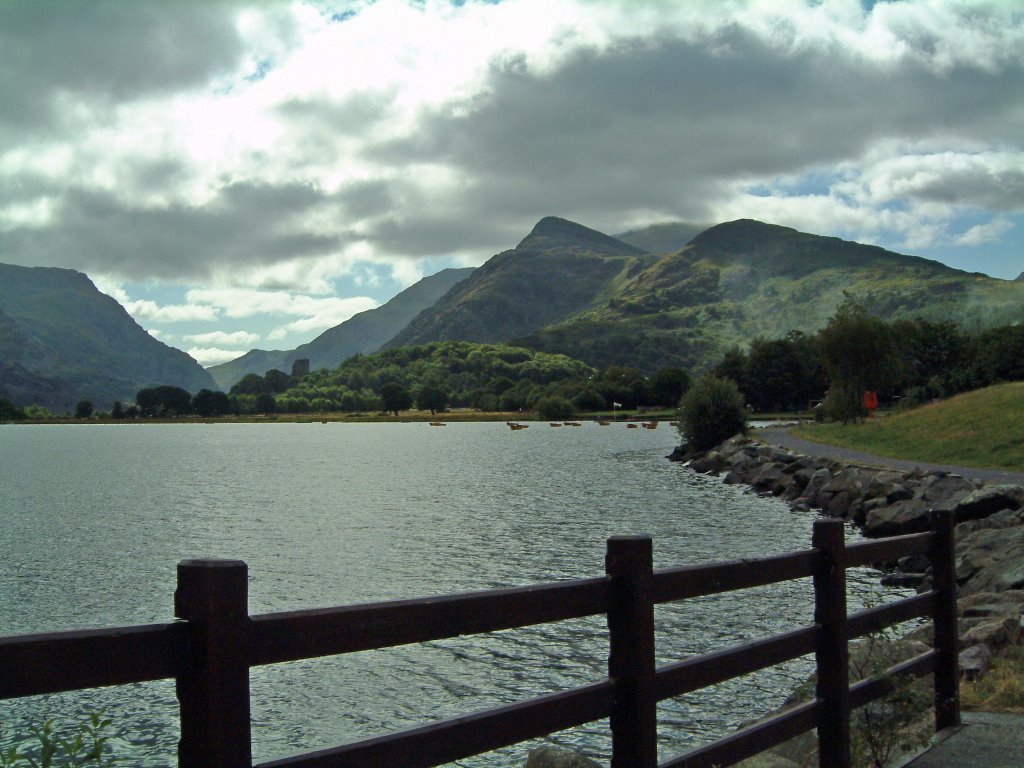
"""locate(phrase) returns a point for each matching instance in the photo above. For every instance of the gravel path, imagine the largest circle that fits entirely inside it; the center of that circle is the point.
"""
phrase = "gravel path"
(781, 437)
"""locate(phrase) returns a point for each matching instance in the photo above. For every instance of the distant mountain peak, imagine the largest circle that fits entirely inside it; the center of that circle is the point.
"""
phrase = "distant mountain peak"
(552, 233)
(1020, 278)
(742, 233)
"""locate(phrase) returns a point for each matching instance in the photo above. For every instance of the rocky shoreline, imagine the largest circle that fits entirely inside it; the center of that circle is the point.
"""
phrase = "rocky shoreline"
(886, 502)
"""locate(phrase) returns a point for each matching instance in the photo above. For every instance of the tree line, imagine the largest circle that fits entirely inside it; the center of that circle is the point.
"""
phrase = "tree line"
(908, 360)
(911, 361)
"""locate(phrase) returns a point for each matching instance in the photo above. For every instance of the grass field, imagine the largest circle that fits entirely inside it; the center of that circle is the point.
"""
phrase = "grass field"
(984, 428)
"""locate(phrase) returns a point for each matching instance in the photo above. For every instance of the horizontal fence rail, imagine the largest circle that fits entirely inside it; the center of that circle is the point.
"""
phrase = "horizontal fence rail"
(298, 635)
(210, 649)
(53, 662)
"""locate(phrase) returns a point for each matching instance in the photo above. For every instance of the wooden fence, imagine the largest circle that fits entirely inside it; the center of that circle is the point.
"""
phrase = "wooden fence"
(211, 647)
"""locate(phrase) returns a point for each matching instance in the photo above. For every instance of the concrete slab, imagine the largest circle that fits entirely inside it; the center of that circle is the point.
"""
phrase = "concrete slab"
(985, 740)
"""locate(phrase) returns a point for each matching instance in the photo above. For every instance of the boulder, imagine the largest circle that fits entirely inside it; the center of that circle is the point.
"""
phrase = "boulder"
(890, 487)
(991, 560)
(711, 463)
(974, 661)
(814, 491)
(907, 516)
(942, 487)
(1007, 518)
(553, 757)
(987, 604)
(767, 478)
(989, 500)
(996, 634)
(839, 505)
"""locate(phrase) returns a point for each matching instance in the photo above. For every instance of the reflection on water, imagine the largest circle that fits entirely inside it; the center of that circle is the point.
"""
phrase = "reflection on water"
(96, 518)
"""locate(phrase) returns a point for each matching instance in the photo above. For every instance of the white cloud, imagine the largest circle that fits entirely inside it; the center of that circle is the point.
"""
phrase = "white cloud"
(285, 148)
(907, 195)
(207, 356)
(236, 338)
(171, 313)
(243, 302)
(984, 233)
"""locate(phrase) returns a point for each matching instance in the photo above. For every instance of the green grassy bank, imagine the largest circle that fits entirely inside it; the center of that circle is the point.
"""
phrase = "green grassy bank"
(984, 428)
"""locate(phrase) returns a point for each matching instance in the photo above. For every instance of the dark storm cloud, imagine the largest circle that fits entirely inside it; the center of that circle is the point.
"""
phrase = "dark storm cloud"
(366, 199)
(106, 51)
(665, 125)
(999, 189)
(97, 231)
(426, 236)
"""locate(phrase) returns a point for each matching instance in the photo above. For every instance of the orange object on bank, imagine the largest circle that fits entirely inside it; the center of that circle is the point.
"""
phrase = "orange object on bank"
(870, 402)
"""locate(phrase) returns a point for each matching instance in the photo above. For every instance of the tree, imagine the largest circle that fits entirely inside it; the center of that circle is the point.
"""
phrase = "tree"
(266, 403)
(117, 412)
(277, 381)
(250, 384)
(9, 411)
(669, 385)
(776, 376)
(83, 409)
(711, 411)
(432, 397)
(733, 366)
(555, 408)
(208, 403)
(859, 354)
(589, 399)
(394, 397)
(163, 401)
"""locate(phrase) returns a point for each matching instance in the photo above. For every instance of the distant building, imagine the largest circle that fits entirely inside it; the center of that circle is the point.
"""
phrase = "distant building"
(300, 368)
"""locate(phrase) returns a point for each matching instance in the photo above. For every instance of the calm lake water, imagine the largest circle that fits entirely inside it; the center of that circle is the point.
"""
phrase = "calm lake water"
(95, 518)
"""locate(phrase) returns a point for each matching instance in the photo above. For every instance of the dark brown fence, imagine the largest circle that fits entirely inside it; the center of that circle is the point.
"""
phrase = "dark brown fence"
(211, 647)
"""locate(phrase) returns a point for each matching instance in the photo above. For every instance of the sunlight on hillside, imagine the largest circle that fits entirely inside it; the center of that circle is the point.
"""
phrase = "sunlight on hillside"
(984, 428)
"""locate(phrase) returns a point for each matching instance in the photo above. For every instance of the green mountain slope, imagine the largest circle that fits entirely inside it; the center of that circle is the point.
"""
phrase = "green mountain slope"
(569, 289)
(559, 270)
(360, 334)
(743, 279)
(62, 341)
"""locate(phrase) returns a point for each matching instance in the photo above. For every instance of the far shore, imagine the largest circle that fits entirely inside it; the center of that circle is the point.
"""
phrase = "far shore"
(454, 415)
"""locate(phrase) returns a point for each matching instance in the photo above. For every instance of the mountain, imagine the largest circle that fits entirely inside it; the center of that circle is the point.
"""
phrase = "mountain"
(361, 333)
(558, 270)
(62, 341)
(662, 238)
(743, 279)
(569, 289)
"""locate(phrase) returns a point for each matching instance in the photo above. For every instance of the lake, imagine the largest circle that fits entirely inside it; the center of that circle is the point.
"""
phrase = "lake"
(95, 519)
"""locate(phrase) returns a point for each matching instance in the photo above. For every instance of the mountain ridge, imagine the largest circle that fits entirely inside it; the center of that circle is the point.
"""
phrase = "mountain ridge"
(62, 341)
(576, 265)
(364, 332)
(728, 284)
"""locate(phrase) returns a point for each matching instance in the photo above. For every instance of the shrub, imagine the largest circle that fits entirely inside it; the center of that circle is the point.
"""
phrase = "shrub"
(845, 403)
(711, 411)
(86, 747)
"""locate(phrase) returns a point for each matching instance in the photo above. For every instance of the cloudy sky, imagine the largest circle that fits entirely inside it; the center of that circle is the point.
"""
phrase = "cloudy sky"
(248, 174)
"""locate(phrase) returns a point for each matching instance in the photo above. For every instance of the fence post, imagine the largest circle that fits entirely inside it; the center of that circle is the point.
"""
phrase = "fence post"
(213, 691)
(832, 656)
(634, 725)
(947, 673)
